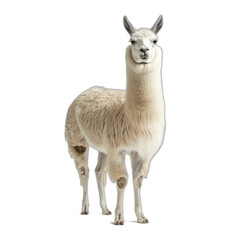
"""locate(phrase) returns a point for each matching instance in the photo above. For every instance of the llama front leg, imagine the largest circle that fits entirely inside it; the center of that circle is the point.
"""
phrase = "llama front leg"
(139, 170)
(119, 218)
(118, 173)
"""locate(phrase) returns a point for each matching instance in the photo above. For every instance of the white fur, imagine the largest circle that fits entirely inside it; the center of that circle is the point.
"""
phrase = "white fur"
(144, 38)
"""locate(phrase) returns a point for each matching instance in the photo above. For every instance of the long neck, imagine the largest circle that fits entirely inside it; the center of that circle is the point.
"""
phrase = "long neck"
(144, 86)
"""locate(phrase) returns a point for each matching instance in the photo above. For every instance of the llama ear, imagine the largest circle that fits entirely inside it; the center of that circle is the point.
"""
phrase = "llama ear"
(157, 25)
(129, 27)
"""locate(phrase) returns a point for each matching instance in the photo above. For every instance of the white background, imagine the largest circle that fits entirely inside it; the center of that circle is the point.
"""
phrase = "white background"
(50, 51)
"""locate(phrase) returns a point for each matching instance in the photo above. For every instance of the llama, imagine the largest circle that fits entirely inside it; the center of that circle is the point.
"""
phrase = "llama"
(117, 122)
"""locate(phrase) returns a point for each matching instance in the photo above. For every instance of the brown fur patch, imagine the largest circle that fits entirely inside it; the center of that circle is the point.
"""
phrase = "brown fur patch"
(80, 149)
(82, 170)
(121, 182)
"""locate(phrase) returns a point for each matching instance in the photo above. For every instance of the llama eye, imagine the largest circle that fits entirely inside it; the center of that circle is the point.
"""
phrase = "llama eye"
(133, 42)
(154, 41)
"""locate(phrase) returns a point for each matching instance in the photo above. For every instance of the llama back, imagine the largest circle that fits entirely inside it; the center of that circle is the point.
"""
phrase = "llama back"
(90, 114)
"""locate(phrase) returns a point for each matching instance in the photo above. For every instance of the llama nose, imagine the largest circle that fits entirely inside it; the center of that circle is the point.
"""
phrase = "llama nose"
(143, 49)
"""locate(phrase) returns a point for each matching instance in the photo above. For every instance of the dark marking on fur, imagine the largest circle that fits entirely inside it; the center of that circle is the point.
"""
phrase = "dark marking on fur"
(82, 170)
(121, 182)
(80, 149)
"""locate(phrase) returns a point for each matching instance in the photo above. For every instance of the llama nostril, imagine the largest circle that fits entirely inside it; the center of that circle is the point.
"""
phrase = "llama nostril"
(144, 50)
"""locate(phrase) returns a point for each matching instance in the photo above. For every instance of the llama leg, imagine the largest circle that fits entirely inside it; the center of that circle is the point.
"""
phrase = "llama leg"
(139, 170)
(80, 155)
(100, 171)
(118, 173)
(119, 218)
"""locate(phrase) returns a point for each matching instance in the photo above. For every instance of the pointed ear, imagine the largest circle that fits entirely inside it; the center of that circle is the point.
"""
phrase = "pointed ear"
(129, 27)
(157, 25)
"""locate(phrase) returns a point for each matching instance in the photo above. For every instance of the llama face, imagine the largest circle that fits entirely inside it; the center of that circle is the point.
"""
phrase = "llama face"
(143, 40)
(143, 45)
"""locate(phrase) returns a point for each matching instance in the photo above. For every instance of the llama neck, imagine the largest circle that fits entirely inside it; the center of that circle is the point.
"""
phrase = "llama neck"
(144, 86)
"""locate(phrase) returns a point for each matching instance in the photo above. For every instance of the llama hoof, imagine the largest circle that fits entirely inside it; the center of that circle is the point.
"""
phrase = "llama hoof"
(106, 212)
(84, 210)
(143, 220)
(119, 222)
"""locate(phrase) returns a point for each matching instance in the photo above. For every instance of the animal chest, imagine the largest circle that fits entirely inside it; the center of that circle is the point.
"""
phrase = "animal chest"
(149, 137)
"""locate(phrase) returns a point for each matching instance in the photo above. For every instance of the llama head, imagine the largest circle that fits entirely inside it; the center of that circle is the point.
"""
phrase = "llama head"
(143, 40)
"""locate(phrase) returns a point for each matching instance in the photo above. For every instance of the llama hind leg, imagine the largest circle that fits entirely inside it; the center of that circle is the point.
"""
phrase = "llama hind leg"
(139, 170)
(100, 171)
(80, 155)
(118, 173)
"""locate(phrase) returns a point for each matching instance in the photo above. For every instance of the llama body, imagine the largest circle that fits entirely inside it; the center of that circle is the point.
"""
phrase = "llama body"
(116, 122)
